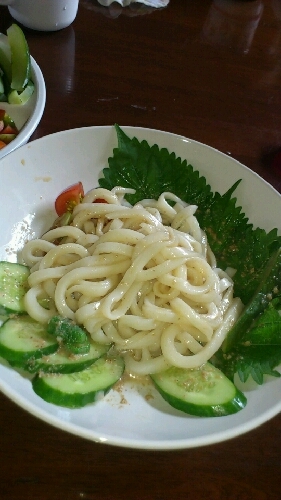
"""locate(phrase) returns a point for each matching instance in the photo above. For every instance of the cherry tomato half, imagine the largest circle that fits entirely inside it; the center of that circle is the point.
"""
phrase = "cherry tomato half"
(69, 198)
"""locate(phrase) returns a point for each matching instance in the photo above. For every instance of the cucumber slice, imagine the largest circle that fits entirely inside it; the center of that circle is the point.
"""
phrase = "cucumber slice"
(20, 57)
(63, 362)
(76, 390)
(13, 286)
(204, 392)
(22, 338)
(16, 97)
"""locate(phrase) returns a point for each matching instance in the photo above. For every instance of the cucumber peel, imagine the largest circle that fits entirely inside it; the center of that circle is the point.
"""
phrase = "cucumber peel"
(203, 392)
(62, 361)
(20, 57)
(23, 339)
(61, 378)
(16, 97)
(76, 390)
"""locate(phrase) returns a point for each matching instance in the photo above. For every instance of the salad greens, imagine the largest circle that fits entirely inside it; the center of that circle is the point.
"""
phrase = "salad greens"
(235, 243)
(16, 85)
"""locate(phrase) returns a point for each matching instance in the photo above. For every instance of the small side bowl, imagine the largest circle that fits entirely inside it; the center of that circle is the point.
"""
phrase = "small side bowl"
(27, 116)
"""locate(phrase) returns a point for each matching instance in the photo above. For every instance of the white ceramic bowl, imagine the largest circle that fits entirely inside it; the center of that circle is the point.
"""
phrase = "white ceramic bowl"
(134, 415)
(27, 116)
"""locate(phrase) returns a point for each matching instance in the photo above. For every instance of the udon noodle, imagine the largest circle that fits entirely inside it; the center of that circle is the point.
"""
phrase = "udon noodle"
(141, 277)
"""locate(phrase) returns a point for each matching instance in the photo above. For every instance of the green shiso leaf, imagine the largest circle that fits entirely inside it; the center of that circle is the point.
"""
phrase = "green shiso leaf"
(259, 352)
(256, 360)
(266, 329)
(151, 170)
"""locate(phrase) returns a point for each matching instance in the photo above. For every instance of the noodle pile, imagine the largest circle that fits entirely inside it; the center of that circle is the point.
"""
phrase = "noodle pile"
(141, 277)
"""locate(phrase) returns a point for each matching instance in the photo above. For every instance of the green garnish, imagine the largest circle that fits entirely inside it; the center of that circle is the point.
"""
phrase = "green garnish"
(268, 288)
(259, 352)
(265, 330)
(150, 171)
(71, 335)
(256, 361)
(16, 86)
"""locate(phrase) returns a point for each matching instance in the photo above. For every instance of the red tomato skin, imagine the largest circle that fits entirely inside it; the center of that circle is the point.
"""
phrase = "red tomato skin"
(9, 130)
(69, 198)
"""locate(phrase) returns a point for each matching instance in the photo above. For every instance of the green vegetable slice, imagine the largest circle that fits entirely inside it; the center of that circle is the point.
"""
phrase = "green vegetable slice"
(13, 286)
(22, 339)
(20, 58)
(20, 98)
(204, 392)
(62, 361)
(79, 389)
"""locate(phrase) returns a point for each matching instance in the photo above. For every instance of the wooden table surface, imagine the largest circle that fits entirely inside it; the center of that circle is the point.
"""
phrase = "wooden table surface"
(208, 70)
